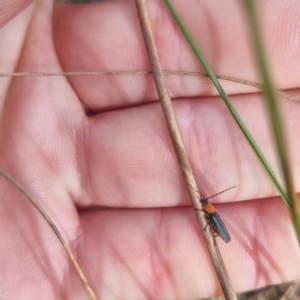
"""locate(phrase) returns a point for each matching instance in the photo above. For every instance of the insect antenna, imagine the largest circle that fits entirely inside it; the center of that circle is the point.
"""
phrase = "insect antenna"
(221, 192)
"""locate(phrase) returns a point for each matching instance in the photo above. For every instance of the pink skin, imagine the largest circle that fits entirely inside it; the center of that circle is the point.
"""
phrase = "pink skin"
(83, 142)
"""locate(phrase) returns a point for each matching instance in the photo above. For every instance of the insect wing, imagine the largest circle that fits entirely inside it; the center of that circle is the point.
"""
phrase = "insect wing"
(219, 226)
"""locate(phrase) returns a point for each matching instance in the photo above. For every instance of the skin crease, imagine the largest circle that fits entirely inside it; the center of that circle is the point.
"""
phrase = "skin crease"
(83, 142)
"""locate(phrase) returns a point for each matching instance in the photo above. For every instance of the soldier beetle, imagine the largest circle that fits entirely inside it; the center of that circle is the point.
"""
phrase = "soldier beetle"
(213, 217)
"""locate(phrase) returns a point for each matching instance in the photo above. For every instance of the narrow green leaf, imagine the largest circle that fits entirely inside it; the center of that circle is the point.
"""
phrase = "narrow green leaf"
(227, 101)
(274, 112)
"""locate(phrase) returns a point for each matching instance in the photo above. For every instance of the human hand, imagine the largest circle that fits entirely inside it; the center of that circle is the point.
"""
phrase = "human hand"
(101, 141)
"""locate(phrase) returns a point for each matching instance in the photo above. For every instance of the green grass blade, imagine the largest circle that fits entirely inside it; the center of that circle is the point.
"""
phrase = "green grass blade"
(274, 112)
(227, 101)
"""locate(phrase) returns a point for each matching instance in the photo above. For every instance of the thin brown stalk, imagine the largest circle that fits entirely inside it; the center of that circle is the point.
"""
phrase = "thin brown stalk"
(56, 231)
(145, 72)
(181, 154)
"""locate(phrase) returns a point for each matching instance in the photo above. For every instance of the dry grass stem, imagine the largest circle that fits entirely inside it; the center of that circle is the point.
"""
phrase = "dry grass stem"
(56, 231)
(181, 154)
(145, 72)
(292, 291)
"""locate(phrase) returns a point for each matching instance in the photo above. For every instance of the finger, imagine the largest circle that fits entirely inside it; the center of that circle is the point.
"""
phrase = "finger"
(10, 9)
(131, 162)
(40, 116)
(33, 262)
(158, 254)
(145, 252)
(116, 43)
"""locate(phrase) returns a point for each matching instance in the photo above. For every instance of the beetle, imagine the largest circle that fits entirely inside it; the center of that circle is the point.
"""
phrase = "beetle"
(213, 217)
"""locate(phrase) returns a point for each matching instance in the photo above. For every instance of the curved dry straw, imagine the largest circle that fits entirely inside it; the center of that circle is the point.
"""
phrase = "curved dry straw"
(56, 231)
(145, 72)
